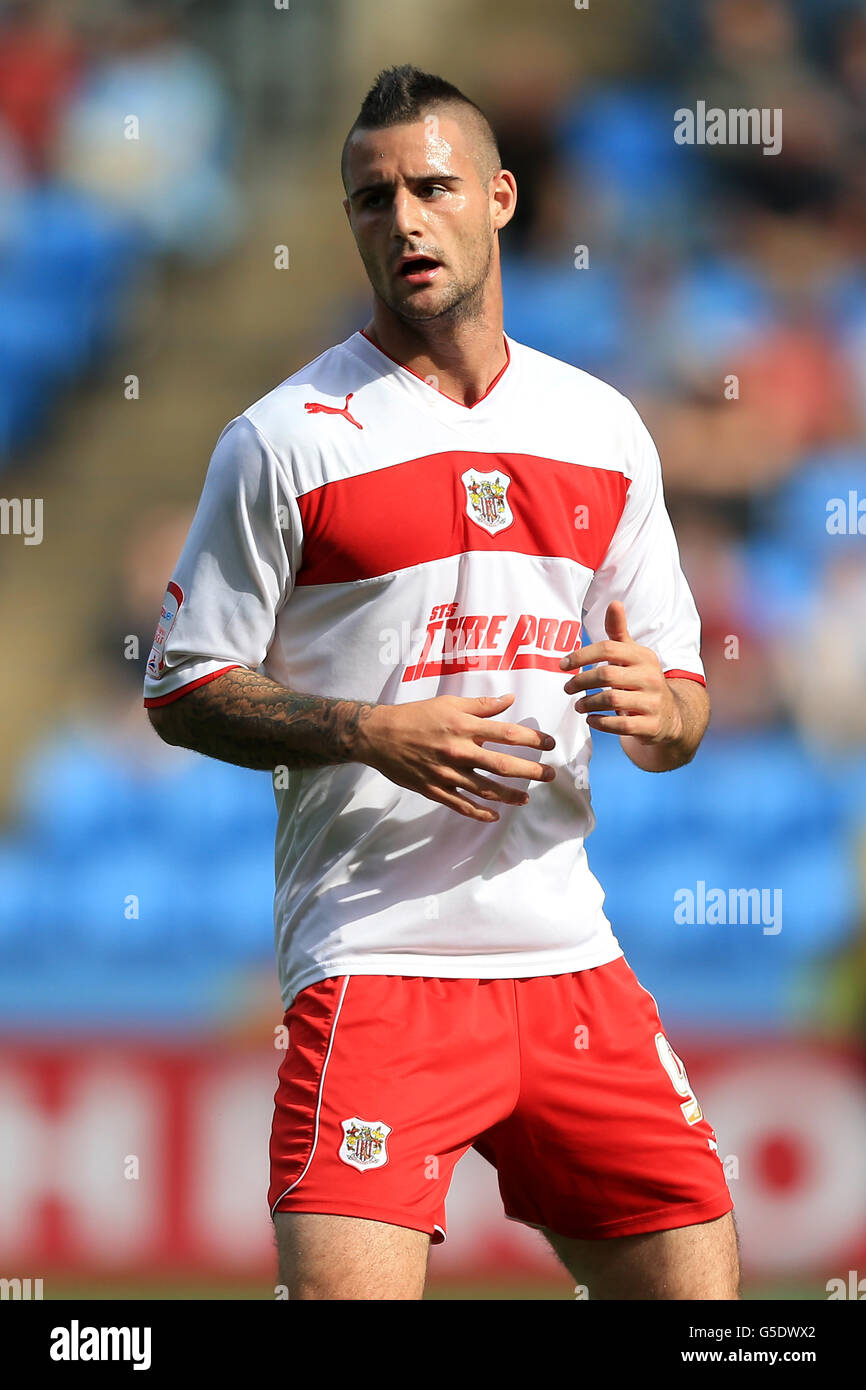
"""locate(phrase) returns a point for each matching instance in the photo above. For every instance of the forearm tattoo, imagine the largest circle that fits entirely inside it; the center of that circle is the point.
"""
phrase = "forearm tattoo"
(247, 719)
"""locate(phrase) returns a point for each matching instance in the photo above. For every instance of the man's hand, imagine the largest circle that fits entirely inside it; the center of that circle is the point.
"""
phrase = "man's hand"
(660, 722)
(431, 746)
(434, 746)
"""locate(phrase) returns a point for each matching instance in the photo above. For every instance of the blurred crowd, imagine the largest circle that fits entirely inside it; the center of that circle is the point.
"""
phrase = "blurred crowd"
(115, 148)
(722, 288)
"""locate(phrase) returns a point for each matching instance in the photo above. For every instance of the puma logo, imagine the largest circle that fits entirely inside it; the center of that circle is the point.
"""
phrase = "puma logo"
(314, 407)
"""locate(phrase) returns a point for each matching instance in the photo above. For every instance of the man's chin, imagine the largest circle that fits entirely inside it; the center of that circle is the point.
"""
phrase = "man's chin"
(421, 305)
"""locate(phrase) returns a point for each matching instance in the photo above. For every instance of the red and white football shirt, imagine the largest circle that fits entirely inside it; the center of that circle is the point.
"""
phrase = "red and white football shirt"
(362, 535)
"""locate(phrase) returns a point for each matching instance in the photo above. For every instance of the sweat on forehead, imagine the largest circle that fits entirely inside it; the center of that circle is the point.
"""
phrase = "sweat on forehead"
(477, 138)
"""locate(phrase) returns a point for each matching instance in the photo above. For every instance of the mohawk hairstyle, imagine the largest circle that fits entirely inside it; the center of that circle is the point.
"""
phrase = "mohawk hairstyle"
(405, 93)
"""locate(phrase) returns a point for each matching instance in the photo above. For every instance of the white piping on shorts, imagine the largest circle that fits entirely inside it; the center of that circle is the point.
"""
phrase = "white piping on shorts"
(646, 991)
(319, 1098)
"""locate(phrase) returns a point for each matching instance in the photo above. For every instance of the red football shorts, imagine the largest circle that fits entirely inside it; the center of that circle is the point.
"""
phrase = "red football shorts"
(565, 1083)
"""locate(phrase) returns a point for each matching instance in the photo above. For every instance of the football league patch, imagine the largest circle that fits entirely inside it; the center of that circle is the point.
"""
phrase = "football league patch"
(169, 611)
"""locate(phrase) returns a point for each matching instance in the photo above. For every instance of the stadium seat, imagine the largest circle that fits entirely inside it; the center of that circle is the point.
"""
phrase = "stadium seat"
(715, 307)
(756, 811)
(618, 144)
(127, 904)
(577, 316)
(25, 393)
(65, 264)
(797, 512)
(28, 900)
(235, 897)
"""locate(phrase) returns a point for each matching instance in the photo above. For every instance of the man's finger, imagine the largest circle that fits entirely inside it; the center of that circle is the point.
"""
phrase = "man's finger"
(602, 677)
(463, 805)
(491, 791)
(502, 765)
(615, 624)
(482, 705)
(495, 731)
(618, 653)
(620, 701)
(638, 725)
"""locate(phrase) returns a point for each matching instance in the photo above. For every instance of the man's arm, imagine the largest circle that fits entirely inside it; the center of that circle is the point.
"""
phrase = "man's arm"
(435, 747)
(247, 719)
(684, 729)
(660, 721)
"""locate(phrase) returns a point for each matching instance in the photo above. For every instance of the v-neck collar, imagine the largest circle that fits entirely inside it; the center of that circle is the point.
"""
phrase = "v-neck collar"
(422, 391)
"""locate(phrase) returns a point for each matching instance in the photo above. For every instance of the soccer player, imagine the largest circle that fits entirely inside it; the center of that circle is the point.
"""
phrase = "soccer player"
(410, 565)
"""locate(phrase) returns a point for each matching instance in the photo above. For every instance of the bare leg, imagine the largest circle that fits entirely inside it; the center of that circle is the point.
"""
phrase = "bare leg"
(346, 1257)
(690, 1262)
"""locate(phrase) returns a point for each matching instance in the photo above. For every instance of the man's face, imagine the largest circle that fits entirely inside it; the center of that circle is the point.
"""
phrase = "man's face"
(422, 217)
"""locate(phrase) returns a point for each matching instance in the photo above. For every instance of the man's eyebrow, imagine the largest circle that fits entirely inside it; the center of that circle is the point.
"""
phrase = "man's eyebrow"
(382, 185)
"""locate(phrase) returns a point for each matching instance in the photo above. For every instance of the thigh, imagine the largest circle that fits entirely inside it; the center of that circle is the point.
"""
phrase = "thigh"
(690, 1262)
(607, 1139)
(345, 1257)
(385, 1082)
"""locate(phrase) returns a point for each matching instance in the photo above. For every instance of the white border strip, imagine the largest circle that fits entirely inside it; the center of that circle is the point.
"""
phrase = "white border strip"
(319, 1099)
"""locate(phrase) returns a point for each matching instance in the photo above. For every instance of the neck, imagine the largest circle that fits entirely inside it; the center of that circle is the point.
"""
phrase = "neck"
(463, 352)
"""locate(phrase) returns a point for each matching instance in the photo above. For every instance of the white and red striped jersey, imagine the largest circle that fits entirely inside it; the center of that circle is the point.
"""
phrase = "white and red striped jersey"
(360, 534)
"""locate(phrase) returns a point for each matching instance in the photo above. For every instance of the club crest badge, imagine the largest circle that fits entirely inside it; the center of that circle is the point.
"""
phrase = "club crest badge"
(365, 1143)
(486, 499)
(169, 611)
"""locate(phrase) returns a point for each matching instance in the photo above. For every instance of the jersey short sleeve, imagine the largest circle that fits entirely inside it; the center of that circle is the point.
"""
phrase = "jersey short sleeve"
(235, 571)
(642, 569)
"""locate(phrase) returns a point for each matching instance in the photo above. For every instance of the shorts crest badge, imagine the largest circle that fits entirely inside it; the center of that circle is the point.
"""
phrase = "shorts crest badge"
(364, 1143)
(486, 499)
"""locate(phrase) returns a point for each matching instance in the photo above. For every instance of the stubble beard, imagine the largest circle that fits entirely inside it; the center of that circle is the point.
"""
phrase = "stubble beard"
(463, 304)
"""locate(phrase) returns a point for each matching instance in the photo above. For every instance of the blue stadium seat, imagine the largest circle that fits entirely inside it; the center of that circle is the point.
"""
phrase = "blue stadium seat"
(210, 806)
(715, 306)
(236, 897)
(578, 316)
(65, 262)
(27, 897)
(25, 396)
(74, 796)
(798, 509)
(126, 904)
(618, 145)
(59, 239)
(625, 135)
(49, 336)
(781, 577)
(751, 812)
(848, 776)
(195, 801)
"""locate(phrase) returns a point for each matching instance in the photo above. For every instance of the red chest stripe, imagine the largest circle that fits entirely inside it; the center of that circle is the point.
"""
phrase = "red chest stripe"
(417, 511)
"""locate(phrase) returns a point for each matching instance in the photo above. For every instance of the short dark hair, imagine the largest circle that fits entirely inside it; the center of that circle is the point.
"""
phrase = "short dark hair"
(404, 93)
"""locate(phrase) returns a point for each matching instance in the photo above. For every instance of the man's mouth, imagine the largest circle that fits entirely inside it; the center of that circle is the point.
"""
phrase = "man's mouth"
(418, 270)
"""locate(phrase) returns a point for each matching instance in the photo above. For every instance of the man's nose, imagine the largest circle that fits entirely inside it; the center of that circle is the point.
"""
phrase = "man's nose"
(406, 214)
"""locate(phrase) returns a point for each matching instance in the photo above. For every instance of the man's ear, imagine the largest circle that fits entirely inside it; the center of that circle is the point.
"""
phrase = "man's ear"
(505, 198)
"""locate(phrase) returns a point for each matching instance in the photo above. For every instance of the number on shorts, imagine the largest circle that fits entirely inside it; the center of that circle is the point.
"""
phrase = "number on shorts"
(692, 1111)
